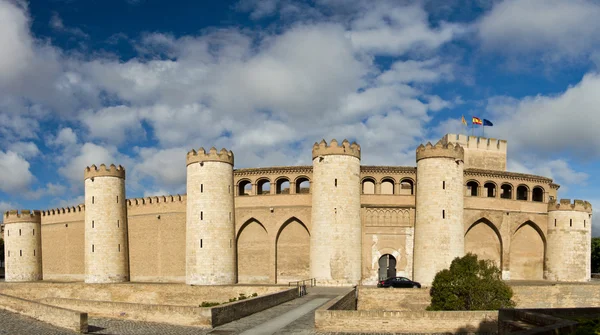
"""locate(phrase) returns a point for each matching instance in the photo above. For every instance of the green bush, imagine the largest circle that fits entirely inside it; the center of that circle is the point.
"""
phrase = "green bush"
(470, 285)
(596, 255)
(587, 326)
(209, 304)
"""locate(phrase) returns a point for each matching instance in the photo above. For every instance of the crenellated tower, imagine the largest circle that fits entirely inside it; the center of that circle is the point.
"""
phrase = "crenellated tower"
(106, 243)
(568, 250)
(439, 234)
(335, 242)
(23, 246)
(210, 221)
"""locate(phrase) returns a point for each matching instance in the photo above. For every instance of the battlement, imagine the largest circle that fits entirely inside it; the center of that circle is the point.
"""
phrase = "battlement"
(155, 200)
(25, 215)
(64, 210)
(476, 142)
(440, 150)
(212, 155)
(103, 171)
(333, 148)
(566, 205)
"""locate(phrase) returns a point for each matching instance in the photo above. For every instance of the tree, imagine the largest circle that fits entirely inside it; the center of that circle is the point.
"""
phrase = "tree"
(596, 255)
(470, 285)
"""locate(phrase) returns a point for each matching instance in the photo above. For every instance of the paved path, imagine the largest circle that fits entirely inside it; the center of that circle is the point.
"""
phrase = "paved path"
(293, 317)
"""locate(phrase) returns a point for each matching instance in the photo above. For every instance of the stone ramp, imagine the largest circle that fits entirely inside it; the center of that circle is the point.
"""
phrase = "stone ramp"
(294, 317)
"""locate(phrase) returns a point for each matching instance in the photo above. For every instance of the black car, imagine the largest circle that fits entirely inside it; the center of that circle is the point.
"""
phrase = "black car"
(398, 282)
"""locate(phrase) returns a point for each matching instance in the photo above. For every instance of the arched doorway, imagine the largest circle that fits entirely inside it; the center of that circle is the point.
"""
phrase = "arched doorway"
(253, 253)
(387, 266)
(293, 252)
(527, 253)
(483, 240)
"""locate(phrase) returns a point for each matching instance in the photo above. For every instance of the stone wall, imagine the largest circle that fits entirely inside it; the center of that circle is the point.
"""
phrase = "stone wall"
(405, 322)
(557, 295)
(390, 299)
(56, 316)
(143, 293)
(180, 315)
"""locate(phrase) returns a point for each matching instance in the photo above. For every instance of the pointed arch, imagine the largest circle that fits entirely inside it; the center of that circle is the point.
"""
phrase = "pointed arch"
(253, 252)
(527, 252)
(483, 239)
(292, 251)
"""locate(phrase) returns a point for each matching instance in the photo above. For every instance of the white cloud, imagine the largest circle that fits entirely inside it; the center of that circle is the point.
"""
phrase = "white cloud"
(167, 167)
(25, 149)
(57, 24)
(15, 175)
(556, 28)
(5, 206)
(17, 44)
(562, 123)
(65, 137)
(388, 28)
(88, 154)
(113, 124)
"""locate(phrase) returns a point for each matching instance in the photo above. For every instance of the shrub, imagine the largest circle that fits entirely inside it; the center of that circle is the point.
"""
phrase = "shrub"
(209, 304)
(469, 285)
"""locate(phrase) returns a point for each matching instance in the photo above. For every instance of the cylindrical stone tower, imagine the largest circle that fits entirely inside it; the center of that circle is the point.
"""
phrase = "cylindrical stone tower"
(439, 232)
(568, 250)
(23, 246)
(210, 230)
(335, 241)
(106, 244)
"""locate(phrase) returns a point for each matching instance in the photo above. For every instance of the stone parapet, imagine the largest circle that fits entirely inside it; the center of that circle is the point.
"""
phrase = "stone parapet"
(103, 171)
(212, 155)
(440, 150)
(25, 215)
(566, 205)
(333, 148)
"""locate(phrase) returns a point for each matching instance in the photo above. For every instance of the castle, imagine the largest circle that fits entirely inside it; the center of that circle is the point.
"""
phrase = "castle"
(337, 221)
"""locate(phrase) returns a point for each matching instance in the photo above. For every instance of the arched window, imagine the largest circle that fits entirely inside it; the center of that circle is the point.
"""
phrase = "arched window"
(368, 186)
(283, 186)
(244, 187)
(472, 188)
(406, 187)
(537, 194)
(302, 185)
(506, 191)
(387, 186)
(263, 187)
(522, 192)
(490, 190)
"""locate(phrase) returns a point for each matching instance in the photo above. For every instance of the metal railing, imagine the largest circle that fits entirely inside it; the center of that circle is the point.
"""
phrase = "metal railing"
(301, 285)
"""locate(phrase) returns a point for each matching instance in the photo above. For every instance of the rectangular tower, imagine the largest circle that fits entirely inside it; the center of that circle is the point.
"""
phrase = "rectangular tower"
(480, 152)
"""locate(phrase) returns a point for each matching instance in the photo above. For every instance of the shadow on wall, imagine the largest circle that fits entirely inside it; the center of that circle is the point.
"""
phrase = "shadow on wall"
(485, 327)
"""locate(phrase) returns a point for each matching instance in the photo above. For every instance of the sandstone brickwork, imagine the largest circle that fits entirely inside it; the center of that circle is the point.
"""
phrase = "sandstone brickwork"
(106, 243)
(439, 235)
(210, 223)
(23, 246)
(337, 234)
(334, 220)
(568, 256)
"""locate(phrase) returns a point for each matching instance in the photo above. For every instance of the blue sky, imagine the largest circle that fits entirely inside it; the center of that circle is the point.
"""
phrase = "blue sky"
(139, 83)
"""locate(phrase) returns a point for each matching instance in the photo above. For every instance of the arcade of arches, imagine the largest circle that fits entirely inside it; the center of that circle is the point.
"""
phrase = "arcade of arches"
(284, 255)
(521, 252)
(258, 259)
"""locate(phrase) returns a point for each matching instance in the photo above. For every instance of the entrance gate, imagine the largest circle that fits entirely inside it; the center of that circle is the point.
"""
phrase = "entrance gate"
(387, 266)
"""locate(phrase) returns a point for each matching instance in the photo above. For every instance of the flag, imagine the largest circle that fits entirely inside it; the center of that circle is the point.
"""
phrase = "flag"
(487, 123)
(477, 120)
(464, 121)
